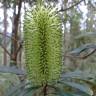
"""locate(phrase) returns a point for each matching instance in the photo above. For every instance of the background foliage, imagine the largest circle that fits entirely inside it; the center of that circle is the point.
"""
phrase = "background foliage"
(77, 16)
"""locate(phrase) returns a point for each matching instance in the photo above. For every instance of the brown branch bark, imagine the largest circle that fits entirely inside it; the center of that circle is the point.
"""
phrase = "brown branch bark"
(15, 45)
(84, 57)
(18, 49)
(6, 50)
(10, 37)
(71, 6)
(81, 57)
(94, 7)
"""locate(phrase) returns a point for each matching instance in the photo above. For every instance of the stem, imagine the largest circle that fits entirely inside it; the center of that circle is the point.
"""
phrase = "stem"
(71, 6)
(45, 90)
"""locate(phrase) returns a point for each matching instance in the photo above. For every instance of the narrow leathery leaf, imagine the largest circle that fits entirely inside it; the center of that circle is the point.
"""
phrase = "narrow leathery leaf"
(43, 43)
(61, 92)
(13, 70)
(29, 90)
(77, 75)
(86, 34)
(81, 87)
(83, 51)
(77, 51)
(16, 89)
(22, 89)
(86, 77)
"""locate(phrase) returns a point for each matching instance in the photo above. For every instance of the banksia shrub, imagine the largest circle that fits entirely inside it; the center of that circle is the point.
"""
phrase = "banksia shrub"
(43, 43)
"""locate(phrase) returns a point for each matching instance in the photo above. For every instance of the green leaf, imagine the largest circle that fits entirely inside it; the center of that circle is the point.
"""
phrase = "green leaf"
(22, 89)
(86, 34)
(14, 70)
(14, 91)
(29, 91)
(61, 92)
(82, 88)
(85, 49)
(77, 75)
(68, 94)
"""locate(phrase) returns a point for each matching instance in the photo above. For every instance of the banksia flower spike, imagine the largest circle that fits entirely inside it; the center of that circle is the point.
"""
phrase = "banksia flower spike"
(43, 42)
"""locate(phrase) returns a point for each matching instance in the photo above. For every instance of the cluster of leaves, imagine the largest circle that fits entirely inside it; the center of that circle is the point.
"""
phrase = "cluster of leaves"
(85, 50)
(6, 80)
(70, 84)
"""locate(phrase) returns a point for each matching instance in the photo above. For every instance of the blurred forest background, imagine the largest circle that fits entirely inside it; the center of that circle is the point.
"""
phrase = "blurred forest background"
(78, 16)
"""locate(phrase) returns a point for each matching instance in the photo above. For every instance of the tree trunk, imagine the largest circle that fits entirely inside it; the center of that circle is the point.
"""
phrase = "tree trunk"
(66, 60)
(14, 43)
(5, 32)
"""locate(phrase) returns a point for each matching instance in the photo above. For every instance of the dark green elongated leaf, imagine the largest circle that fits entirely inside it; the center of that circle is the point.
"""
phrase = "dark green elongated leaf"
(77, 51)
(77, 74)
(69, 94)
(82, 88)
(86, 77)
(13, 70)
(29, 93)
(83, 51)
(89, 82)
(60, 92)
(86, 34)
(16, 89)
(30, 90)
(23, 89)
